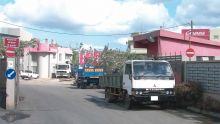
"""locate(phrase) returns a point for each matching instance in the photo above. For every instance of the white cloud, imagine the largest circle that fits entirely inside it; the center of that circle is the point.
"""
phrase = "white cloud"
(88, 46)
(123, 40)
(89, 15)
(202, 12)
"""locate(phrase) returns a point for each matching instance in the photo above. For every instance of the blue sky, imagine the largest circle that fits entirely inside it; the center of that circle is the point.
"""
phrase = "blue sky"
(105, 17)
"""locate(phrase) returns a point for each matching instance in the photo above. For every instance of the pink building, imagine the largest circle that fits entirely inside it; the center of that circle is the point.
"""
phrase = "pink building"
(166, 43)
(43, 58)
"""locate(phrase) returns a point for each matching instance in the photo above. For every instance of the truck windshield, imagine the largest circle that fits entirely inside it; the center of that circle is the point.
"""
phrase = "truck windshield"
(150, 69)
(62, 67)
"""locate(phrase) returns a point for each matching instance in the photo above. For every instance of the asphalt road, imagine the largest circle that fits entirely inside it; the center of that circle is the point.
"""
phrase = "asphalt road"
(59, 102)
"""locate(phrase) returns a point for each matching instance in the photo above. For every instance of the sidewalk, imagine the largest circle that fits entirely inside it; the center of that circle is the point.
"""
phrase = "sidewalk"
(208, 113)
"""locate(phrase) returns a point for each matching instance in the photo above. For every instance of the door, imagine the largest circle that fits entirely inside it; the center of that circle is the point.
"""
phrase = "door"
(127, 78)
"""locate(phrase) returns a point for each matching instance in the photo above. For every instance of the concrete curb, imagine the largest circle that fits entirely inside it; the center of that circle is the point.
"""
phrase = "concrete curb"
(212, 114)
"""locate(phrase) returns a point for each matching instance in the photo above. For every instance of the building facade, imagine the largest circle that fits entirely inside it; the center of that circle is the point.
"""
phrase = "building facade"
(215, 34)
(43, 58)
(166, 43)
(23, 35)
(208, 34)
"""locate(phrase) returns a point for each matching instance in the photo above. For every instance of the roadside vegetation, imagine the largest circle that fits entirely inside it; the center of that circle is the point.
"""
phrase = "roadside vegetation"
(191, 94)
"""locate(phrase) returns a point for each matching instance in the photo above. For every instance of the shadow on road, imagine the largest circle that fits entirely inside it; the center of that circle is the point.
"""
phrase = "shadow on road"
(100, 101)
(201, 119)
(14, 116)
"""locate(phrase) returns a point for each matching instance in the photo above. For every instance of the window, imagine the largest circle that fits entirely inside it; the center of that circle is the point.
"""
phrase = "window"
(128, 69)
(60, 57)
(205, 58)
(216, 36)
(34, 57)
(54, 56)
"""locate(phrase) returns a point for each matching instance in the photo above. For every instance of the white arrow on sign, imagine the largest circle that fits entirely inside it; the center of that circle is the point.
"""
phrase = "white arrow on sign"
(9, 75)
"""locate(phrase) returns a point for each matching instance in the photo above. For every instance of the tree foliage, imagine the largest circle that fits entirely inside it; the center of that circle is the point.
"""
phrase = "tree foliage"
(20, 50)
(112, 60)
(23, 44)
(75, 57)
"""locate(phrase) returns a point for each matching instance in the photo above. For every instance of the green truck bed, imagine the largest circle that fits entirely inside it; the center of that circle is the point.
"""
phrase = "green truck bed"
(114, 81)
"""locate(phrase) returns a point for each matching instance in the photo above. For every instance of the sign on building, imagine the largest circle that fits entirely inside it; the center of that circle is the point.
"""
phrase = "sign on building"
(200, 33)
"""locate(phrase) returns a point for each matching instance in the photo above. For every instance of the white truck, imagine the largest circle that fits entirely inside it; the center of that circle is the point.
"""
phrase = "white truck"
(28, 74)
(63, 70)
(142, 81)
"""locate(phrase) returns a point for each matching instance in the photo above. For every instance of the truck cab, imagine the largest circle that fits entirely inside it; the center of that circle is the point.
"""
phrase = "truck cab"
(88, 76)
(63, 70)
(151, 81)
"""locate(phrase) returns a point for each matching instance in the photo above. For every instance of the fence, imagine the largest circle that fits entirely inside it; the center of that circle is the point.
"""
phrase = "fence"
(205, 73)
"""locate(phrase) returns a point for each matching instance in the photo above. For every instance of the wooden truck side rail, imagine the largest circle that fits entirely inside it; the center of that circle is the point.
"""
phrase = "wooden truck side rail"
(111, 81)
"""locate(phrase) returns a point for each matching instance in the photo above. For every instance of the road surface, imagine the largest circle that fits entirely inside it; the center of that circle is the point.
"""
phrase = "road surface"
(59, 102)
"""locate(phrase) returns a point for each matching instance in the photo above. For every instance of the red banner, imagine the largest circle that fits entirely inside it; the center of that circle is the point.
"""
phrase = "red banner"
(81, 59)
(95, 55)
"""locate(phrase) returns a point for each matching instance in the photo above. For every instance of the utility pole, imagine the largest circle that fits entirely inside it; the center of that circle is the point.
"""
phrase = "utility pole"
(191, 24)
(191, 34)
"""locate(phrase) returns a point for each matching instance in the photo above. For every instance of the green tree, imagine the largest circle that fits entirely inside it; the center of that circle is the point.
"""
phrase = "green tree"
(75, 57)
(20, 50)
(32, 43)
(112, 60)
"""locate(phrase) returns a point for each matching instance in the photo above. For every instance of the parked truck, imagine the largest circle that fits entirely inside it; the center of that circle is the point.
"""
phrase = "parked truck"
(142, 81)
(88, 75)
(63, 70)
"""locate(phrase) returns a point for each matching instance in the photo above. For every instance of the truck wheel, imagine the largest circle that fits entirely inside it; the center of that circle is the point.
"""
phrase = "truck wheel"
(30, 77)
(108, 96)
(78, 85)
(128, 103)
(82, 86)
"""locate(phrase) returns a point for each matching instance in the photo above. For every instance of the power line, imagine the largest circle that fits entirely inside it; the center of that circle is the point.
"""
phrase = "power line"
(55, 32)
(185, 24)
(81, 34)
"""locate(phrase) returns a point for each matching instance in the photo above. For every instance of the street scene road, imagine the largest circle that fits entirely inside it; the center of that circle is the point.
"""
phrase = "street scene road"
(53, 101)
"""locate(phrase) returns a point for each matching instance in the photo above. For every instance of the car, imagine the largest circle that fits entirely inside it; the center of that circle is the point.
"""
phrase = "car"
(29, 74)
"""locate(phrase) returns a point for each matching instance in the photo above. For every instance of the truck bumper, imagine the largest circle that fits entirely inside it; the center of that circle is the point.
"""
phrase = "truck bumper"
(91, 81)
(154, 99)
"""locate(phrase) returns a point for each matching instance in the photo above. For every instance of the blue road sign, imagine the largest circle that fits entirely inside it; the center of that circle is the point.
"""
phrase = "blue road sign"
(10, 74)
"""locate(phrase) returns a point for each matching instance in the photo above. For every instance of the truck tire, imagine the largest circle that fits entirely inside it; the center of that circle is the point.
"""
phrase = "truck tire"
(78, 85)
(30, 77)
(128, 102)
(108, 96)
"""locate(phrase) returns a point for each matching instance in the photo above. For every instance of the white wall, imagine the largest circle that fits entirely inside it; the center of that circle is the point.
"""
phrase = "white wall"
(43, 65)
(53, 62)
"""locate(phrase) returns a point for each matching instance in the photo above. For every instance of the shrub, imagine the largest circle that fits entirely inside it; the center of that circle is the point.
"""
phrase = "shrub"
(209, 104)
(188, 94)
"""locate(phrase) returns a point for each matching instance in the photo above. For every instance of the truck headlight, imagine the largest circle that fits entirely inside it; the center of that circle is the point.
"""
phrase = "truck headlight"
(171, 92)
(85, 81)
(167, 92)
(136, 92)
(140, 92)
